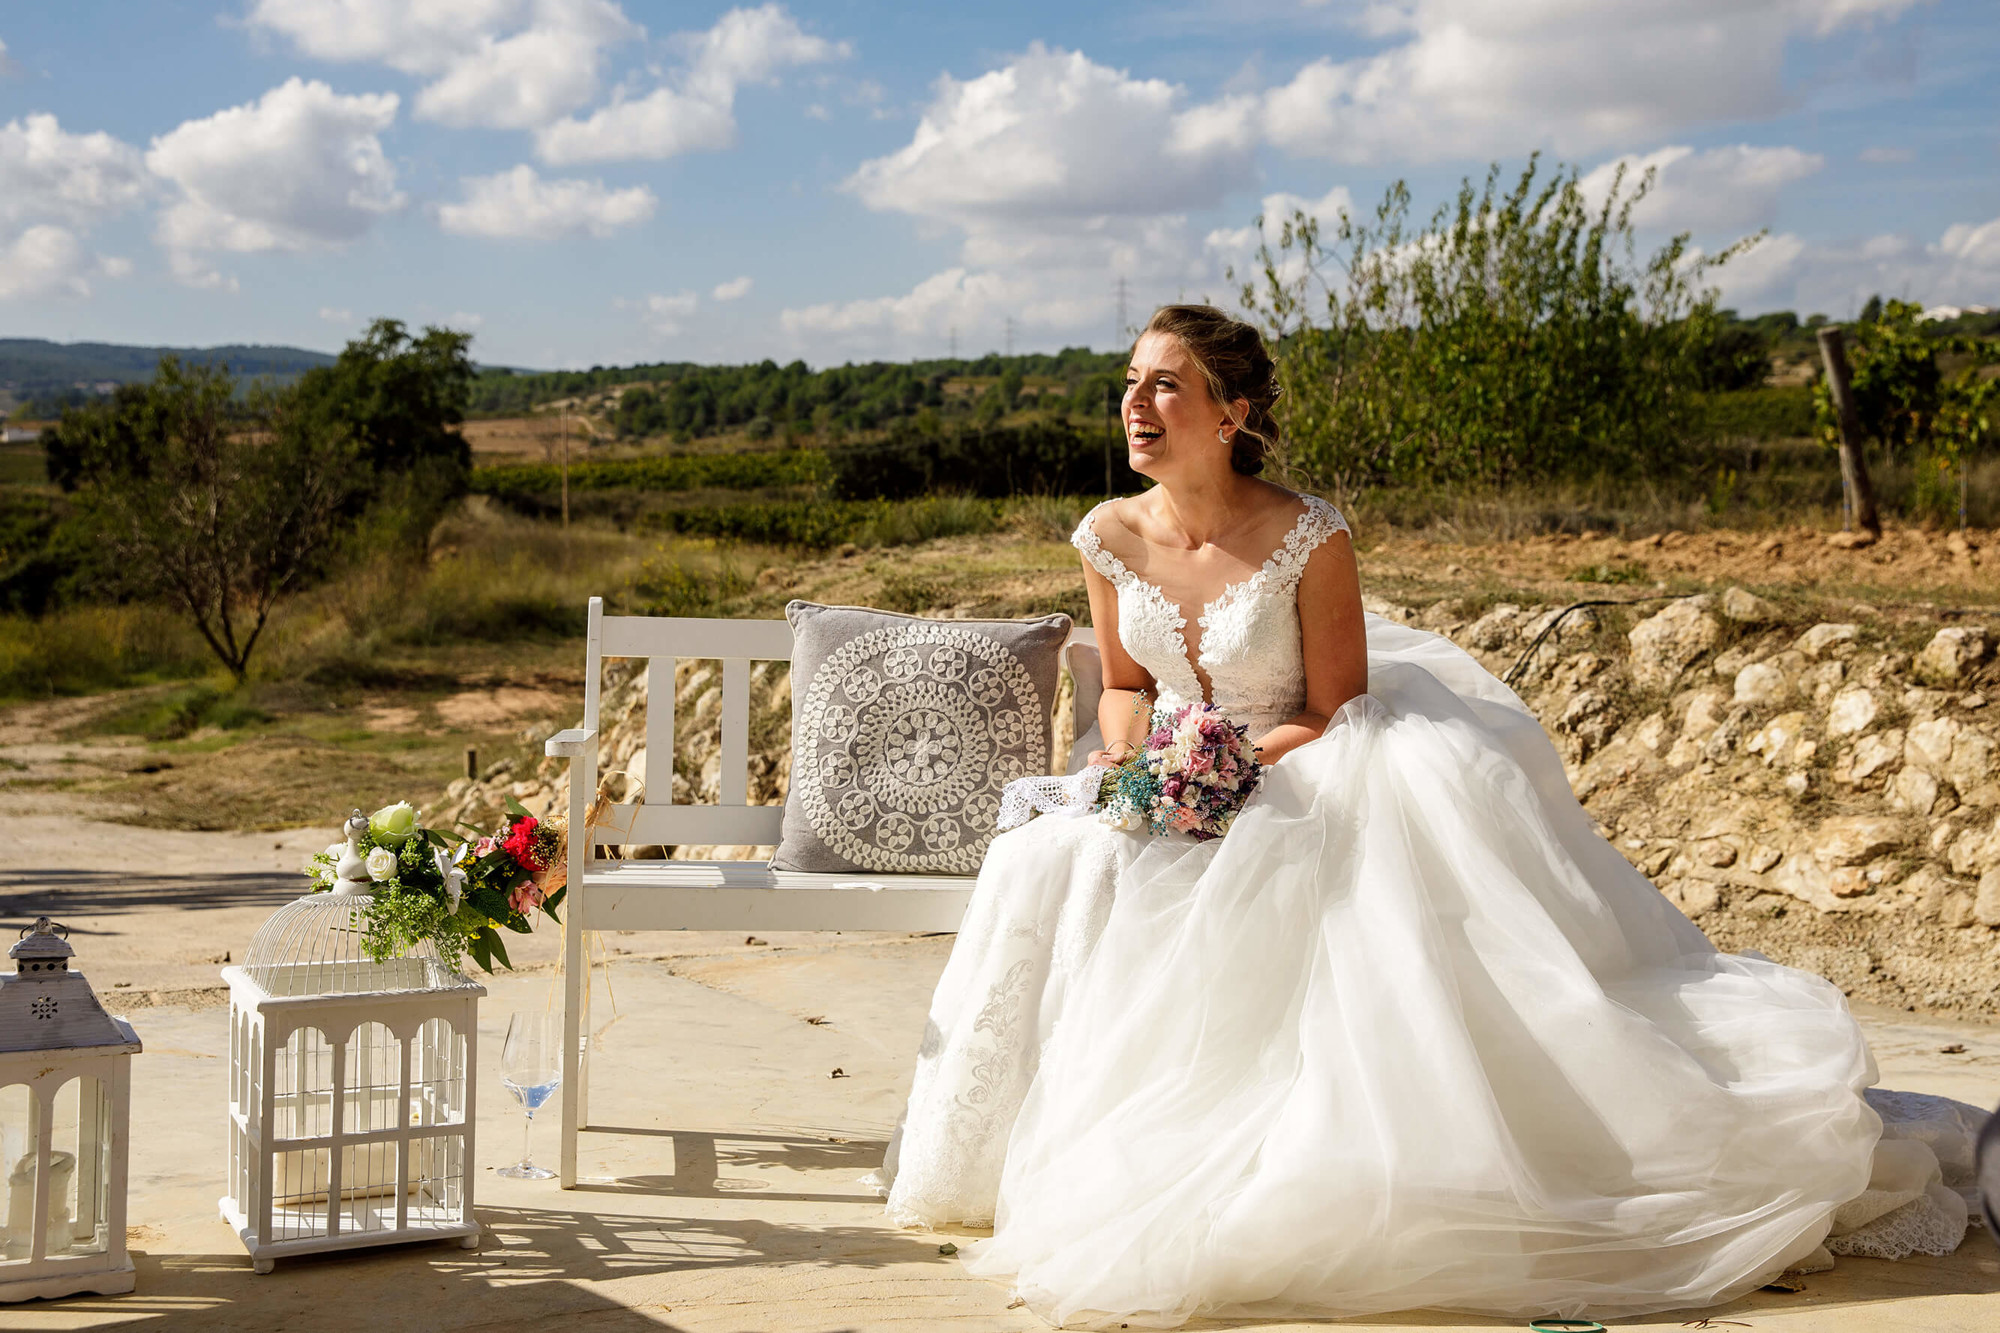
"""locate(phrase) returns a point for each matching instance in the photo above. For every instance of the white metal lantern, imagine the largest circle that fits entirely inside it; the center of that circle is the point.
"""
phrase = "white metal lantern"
(65, 1102)
(350, 1089)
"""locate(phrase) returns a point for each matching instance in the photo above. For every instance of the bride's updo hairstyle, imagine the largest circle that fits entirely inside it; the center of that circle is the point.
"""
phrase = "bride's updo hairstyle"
(1232, 359)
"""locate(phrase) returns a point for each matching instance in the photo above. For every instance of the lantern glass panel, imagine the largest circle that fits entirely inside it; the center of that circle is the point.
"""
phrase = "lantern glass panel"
(19, 1129)
(304, 1101)
(77, 1175)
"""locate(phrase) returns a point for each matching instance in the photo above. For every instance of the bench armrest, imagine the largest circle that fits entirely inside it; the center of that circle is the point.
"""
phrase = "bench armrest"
(570, 744)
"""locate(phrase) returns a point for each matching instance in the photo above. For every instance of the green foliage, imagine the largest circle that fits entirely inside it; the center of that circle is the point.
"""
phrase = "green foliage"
(1907, 404)
(926, 454)
(83, 649)
(1515, 336)
(1778, 412)
(527, 486)
(199, 503)
(182, 711)
(822, 524)
(690, 402)
(677, 583)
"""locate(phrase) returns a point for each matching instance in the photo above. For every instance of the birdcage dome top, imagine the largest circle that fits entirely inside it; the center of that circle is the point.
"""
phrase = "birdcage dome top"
(314, 946)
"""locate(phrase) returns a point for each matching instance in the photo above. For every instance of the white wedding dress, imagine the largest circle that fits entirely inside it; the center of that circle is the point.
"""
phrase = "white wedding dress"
(1411, 1035)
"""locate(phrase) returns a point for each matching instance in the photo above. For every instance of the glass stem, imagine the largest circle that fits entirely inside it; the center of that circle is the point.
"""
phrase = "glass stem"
(527, 1139)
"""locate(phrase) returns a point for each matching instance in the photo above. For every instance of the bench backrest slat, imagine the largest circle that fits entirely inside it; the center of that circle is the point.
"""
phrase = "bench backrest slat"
(737, 643)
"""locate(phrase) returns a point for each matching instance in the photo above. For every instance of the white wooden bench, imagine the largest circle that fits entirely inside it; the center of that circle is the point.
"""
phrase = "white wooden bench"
(607, 894)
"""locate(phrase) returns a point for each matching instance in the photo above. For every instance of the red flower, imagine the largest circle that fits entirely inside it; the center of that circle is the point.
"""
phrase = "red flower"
(520, 844)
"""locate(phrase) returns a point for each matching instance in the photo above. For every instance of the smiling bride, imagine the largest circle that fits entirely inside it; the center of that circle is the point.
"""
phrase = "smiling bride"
(1411, 1034)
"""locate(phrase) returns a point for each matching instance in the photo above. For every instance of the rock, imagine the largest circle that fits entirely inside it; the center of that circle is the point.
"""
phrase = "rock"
(1951, 654)
(1929, 744)
(1845, 968)
(1852, 710)
(1763, 858)
(1823, 639)
(1776, 738)
(1762, 683)
(1851, 541)
(1873, 754)
(1847, 840)
(1402, 615)
(1696, 897)
(1666, 644)
(1591, 719)
(1829, 888)
(1914, 791)
(1822, 680)
(1986, 901)
(1971, 766)
(1716, 853)
(1958, 911)
(1798, 784)
(1974, 852)
(1747, 607)
(1496, 629)
(1705, 711)
(1651, 731)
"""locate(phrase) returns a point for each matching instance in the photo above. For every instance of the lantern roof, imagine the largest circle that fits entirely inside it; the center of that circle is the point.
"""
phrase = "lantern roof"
(46, 1007)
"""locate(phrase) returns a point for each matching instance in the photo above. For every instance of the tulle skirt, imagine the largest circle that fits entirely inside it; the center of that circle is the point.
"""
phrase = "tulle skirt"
(1411, 1035)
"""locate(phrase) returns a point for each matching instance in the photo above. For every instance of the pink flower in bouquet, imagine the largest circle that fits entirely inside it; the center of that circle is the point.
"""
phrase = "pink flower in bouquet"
(525, 898)
(485, 846)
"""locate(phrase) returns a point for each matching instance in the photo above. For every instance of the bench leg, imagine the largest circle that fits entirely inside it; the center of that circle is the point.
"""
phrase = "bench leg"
(576, 975)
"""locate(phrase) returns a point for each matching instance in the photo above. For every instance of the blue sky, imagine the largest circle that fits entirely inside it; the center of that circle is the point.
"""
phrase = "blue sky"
(606, 181)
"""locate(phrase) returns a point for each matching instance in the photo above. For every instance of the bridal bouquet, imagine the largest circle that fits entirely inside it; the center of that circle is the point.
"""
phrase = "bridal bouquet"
(455, 893)
(1192, 775)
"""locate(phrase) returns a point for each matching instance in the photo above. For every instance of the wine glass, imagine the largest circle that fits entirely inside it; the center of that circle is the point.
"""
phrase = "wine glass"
(531, 1067)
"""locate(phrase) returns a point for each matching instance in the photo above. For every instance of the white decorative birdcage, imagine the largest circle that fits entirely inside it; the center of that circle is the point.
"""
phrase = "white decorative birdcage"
(351, 1089)
(65, 1102)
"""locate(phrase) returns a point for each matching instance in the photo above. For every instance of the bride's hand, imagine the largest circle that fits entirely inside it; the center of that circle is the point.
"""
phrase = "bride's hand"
(1106, 759)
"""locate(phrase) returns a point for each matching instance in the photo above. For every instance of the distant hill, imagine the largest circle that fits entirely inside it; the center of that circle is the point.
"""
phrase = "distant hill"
(38, 368)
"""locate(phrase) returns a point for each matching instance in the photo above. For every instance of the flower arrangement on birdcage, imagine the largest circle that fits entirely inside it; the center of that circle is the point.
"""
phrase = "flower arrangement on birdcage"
(455, 893)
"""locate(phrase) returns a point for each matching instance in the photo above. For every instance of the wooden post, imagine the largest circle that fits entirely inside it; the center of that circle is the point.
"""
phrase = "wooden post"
(1853, 467)
(565, 466)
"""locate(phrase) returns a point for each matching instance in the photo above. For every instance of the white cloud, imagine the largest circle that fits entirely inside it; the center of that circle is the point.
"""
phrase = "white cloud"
(520, 204)
(336, 314)
(497, 64)
(694, 112)
(55, 185)
(464, 321)
(1882, 157)
(301, 168)
(44, 260)
(49, 174)
(664, 315)
(1735, 187)
(1477, 79)
(1961, 267)
(1054, 134)
(1060, 175)
(733, 290)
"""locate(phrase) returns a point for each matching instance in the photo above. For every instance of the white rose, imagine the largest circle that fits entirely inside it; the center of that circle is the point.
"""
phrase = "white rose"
(381, 865)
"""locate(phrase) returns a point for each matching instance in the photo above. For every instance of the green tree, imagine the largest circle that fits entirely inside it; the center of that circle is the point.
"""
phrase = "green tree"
(401, 400)
(1516, 336)
(220, 507)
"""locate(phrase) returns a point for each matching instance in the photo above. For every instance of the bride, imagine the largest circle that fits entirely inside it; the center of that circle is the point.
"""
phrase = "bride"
(1412, 1034)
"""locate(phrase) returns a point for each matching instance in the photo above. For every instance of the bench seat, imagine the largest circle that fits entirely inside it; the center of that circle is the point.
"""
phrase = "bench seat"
(749, 895)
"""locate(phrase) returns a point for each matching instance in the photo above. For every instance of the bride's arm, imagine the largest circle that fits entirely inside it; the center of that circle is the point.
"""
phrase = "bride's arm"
(1122, 717)
(1333, 642)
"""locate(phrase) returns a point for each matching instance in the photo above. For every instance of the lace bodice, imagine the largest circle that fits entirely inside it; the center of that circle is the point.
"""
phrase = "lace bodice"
(1250, 646)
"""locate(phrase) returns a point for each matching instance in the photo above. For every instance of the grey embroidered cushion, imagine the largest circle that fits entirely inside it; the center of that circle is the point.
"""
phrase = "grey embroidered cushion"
(904, 731)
